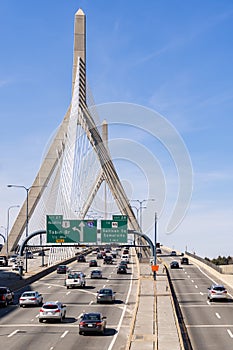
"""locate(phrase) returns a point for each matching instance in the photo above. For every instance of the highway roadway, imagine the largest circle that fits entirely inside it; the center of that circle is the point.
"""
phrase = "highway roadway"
(209, 324)
(20, 328)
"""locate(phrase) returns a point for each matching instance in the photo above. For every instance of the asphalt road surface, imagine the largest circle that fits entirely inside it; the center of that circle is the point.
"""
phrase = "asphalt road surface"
(209, 324)
(20, 328)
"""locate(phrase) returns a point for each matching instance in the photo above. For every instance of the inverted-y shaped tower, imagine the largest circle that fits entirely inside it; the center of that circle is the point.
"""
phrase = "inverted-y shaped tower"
(62, 150)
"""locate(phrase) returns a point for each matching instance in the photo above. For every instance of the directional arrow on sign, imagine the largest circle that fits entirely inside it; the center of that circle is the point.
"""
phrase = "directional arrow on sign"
(80, 231)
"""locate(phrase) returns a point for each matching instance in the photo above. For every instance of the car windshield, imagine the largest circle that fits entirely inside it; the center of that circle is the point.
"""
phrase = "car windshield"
(50, 306)
(106, 291)
(219, 288)
(26, 295)
(91, 317)
(74, 275)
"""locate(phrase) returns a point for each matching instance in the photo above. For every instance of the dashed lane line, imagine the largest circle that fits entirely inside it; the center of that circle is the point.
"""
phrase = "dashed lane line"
(13, 333)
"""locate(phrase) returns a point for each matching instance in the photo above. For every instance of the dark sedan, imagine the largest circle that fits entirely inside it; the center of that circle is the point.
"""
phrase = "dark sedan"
(121, 269)
(62, 269)
(6, 296)
(108, 259)
(93, 263)
(81, 258)
(174, 265)
(92, 322)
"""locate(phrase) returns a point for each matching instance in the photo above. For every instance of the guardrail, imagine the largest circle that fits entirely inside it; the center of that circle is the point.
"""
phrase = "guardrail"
(210, 264)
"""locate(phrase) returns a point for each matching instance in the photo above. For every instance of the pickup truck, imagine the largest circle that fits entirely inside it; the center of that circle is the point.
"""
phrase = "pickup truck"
(75, 279)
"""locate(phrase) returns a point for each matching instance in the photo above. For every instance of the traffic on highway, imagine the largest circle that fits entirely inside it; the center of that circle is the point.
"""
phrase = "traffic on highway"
(49, 315)
(206, 304)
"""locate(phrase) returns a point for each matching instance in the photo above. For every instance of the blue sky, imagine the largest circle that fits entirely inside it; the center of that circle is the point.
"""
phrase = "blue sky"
(173, 57)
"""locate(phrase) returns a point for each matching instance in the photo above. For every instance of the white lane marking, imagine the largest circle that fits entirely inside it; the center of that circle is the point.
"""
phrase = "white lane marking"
(192, 280)
(229, 332)
(51, 348)
(67, 293)
(64, 334)
(188, 276)
(217, 315)
(123, 313)
(185, 272)
(32, 319)
(49, 286)
(205, 274)
(196, 286)
(201, 293)
(208, 302)
(91, 302)
(13, 333)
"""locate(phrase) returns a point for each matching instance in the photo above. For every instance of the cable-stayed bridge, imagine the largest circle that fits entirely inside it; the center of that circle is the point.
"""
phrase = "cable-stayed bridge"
(77, 177)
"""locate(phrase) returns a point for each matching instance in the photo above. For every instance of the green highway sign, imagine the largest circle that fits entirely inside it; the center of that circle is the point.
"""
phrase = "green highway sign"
(70, 231)
(120, 217)
(114, 231)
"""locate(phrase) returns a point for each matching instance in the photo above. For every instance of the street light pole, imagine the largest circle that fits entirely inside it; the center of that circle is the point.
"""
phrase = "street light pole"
(8, 224)
(27, 191)
(141, 207)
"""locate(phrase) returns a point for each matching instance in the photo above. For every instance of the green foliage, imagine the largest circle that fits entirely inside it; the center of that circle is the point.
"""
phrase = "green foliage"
(221, 260)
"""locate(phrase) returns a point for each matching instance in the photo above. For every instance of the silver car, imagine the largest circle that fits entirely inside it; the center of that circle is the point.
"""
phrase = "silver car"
(96, 274)
(52, 310)
(105, 295)
(30, 298)
(217, 291)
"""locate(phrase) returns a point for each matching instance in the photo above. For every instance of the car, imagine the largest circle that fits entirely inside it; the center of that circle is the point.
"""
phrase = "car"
(29, 255)
(121, 269)
(6, 296)
(114, 254)
(52, 310)
(174, 265)
(125, 257)
(184, 261)
(29, 298)
(92, 322)
(96, 274)
(75, 279)
(99, 256)
(217, 291)
(93, 263)
(3, 260)
(173, 253)
(62, 269)
(105, 295)
(123, 263)
(81, 258)
(108, 259)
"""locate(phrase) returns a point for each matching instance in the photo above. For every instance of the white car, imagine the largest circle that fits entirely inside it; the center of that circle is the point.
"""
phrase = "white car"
(75, 279)
(125, 257)
(217, 291)
(52, 310)
(29, 298)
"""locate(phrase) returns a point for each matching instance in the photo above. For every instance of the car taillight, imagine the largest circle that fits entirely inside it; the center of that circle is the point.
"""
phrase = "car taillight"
(41, 310)
(82, 323)
(2, 297)
(213, 292)
(57, 310)
(225, 291)
(98, 323)
(32, 298)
